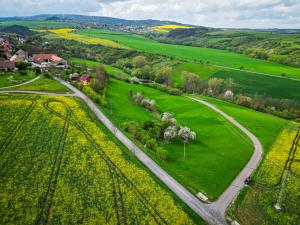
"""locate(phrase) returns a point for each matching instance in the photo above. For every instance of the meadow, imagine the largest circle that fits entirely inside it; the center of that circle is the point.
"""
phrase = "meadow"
(93, 64)
(68, 171)
(209, 165)
(252, 83)
(264, 126)
(275, 182)
(213, 56)
(43, 84)
(39, 24)
(202, 70)
(14, 78)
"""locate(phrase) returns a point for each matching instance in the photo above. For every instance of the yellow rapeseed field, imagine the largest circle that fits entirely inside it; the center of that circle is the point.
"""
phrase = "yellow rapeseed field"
(167, 27)
(69, 34)
(275, 160)
(69, 171)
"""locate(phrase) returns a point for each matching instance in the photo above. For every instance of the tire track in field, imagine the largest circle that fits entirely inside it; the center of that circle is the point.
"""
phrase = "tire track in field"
(18, 126)
(114, 172)
(115, 192)
(45, 205)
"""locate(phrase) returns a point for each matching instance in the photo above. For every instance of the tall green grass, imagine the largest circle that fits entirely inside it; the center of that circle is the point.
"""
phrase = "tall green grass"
(251, 83)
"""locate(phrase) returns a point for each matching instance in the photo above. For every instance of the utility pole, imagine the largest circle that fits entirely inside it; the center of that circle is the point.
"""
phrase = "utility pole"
(282, 190)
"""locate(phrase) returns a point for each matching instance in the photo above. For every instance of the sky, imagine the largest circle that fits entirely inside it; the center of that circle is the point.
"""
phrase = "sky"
(216, 13)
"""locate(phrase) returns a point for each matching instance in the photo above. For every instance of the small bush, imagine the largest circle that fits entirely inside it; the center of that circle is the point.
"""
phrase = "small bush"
(162, 153)
(163, 88)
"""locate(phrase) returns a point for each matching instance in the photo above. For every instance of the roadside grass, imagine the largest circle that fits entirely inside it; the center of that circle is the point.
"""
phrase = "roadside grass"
(15, 78)
(251, 83)
(264, 126)
(39, 24)
(213, 160)
(202, 70)
(214, 56)
(93, 64)
(43, 84)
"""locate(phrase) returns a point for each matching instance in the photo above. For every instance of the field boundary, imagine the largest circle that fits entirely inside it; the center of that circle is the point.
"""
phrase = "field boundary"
(249, 71)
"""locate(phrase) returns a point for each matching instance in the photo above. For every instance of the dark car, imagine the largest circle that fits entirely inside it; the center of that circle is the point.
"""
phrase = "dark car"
(248, 180)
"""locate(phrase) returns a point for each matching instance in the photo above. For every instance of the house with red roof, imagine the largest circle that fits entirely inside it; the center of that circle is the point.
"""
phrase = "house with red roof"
(48, 60)
(85, 79)
(6, 65)
(19, 56)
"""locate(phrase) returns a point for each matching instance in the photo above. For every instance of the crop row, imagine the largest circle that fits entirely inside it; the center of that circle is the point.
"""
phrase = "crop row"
(68, 171)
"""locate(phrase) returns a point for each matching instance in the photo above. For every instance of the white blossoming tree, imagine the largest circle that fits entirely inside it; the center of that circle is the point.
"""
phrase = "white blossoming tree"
(186, 135)
(170, 133)
(166, 116)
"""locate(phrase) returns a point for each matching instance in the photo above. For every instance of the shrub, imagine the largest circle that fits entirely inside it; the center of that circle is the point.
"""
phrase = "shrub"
(163, 88)
(162, 153)
(148, 124)
(151, 144)
(244, 100)
(22, 65)
(139, 98)
(47, 75)
(23, 72)
(97, 98)
(139, 61)
(131, 127)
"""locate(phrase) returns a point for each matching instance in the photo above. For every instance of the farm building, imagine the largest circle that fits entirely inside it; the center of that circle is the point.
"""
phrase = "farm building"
(19, 56)
(48, 60)
(6, 65)
(85, 79)
(4, 48)
(74, 76)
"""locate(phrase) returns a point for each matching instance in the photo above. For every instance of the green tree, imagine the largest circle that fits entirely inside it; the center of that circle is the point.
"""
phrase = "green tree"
(163, 75)
(22, 65)
(215, 85)
(100, 79)
(191, 82)
(139, 61)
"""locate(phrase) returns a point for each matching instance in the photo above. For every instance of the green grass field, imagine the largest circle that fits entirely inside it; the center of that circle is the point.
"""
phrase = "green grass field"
(251, 83)
(89, 63)
(264, 126)
(214, 56)
(67, 170)
(39, 24)
(212, 161)
(15, 78)
(43, 84)
(202, 70)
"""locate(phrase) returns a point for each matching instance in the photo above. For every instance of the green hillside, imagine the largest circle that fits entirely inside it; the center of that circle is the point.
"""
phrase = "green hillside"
(213, 56)
(251, 83)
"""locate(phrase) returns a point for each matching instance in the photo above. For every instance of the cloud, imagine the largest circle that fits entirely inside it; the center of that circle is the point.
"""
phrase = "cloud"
(221, 13)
